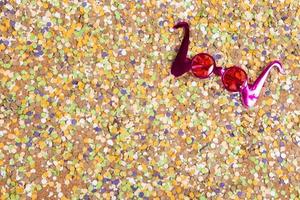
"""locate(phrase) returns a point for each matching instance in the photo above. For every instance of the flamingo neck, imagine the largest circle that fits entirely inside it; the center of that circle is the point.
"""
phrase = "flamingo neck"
(250, 92)
(182, 64)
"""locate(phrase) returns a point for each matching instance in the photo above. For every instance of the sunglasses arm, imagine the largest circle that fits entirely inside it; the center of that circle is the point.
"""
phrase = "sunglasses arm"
(250, 92)
(181, 63)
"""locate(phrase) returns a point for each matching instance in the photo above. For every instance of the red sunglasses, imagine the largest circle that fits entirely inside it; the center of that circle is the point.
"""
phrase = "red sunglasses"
(234, 78)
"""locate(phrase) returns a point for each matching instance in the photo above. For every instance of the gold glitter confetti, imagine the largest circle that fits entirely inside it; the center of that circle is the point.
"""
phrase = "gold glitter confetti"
(89, 109)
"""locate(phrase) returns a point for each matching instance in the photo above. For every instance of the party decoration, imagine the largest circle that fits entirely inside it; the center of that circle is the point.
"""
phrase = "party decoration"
(234, 78)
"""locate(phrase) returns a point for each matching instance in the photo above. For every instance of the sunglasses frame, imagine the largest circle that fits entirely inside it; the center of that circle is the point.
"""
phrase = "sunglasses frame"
(219, 71)
(249, 92)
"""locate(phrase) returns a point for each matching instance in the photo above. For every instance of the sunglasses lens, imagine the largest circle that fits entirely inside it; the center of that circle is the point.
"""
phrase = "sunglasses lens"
(203, 65)
(233, 78)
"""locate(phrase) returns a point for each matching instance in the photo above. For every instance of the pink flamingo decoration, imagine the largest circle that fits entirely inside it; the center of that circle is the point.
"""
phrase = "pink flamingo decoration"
(234, 78)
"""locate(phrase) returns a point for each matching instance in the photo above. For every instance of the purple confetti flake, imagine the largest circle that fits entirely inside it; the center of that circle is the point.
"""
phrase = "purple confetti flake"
(37, 116)
(103, 190)
(123, 91)
(246, 49)
(39, 47)
(2, 3)
(286, 28)
(74, 82)
(104, 180)
(134, 173)
(73, 121)
(6, 42)
(132, 62)
(267, 93)
(18, 144)
(29, 143)
(36, 134)
(151, 118)
(141, 194)
(116, 182)
(180, 132)
(134, 188)
(261, 130)
(12, 23)
(218, 56)
(100, 97)
(51, 130)
(235, 37)
(281, 144)
(266, 38)
(280, 159)
(240, 193)
(38, 53)
(254, 25)
(97, 129)
(104, 54)
(217, 191)
(86, 197)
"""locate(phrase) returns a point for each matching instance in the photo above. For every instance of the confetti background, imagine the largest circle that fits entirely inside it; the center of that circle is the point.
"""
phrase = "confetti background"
(89, 109)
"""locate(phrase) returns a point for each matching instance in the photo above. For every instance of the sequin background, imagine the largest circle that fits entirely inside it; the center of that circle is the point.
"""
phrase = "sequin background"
(89, 109)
